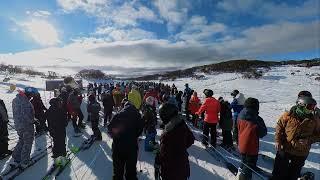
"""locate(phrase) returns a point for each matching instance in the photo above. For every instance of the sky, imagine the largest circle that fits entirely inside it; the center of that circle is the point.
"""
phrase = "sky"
(154, 35)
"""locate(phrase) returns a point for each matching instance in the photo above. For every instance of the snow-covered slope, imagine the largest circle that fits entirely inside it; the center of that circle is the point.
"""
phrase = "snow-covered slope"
(277, 91)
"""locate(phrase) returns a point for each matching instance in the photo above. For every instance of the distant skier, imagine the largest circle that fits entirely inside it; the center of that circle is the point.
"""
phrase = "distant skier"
(108, 104)
(150, 118)
(211, 107)
(187, 95)
(296, 131)
(4, 120)
(93, 109)
(99, 91)
(23, 116)
(225, 122)
(152, 93)
(125, 128)
(117, 97)
(39, 109)
(171, 162)
(237, 106)
(74, 104)
(251, 127)
(57, 122)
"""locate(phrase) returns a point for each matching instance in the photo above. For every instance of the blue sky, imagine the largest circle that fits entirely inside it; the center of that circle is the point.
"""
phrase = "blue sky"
(167, 33)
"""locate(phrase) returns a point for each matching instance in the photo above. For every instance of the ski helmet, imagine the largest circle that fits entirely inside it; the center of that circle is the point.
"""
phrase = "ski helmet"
(308, 102)
(167, 111)
(208, 92)
(252, 103)
(235, 93)
(304, 93)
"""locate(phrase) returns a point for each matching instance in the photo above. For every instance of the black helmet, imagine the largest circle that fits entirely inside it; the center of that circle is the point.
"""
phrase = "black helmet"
(252, 103)
(208, 92)
(304, 93)
(307, 102)
(235, 93)
(167, 111)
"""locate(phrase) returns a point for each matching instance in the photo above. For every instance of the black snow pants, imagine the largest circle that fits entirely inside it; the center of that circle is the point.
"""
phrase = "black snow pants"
(212, 128)
(59, 143)
(251, 161)
(227, 138)
(287, 166)
(125, 161)
(95, 129)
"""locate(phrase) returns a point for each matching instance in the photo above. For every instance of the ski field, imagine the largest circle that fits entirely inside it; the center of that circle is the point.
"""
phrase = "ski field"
(277, 91)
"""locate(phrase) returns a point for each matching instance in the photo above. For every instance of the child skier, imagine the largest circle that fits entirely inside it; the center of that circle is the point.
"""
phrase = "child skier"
(194, 105)
(150, 119)
(57, 122)
(93, 109)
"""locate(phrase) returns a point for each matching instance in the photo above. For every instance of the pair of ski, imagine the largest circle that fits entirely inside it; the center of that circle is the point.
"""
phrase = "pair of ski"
(257, 169)
(56, 170)
(17, 170)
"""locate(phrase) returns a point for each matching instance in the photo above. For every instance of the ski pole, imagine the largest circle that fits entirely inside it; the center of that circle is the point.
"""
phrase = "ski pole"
(255, 172)
(11, 126)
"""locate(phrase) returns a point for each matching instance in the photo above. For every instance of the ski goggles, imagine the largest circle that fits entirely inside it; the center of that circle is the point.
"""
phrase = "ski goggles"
(310, 108)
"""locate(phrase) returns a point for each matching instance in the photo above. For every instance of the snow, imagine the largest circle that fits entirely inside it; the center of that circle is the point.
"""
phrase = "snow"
(277, 91)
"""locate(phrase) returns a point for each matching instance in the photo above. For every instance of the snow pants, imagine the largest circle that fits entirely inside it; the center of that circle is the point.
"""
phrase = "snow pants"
(59, 143)
(235, 127)
(42, 124)
(227, 138)
(125, 162)
(251, 161)
(95, 129)
(287, 166)
(3, 138)
(22, 150)
(212, 128)
(107, 116)
(75, 119)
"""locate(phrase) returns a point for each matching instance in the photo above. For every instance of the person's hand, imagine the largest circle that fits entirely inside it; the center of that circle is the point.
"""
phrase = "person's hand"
(303, 142)
(278, 146)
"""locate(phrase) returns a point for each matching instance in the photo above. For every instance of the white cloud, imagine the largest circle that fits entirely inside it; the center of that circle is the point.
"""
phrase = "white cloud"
(41, 32)
(41, 13)
(173, 11)
(129, 34)
(127, 14)
(90, 6)
(197, 29)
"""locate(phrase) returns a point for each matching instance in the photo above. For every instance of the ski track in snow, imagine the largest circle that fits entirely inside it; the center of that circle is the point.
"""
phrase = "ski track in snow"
(276, 91)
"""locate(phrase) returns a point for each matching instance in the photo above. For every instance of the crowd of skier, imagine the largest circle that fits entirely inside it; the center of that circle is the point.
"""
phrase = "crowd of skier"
(130, 111)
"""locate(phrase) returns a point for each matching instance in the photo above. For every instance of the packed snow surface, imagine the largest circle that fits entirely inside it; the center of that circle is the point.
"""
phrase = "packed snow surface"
(276, 91)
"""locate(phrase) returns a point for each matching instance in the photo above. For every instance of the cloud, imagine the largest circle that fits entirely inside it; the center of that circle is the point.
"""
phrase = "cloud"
(127, 14)
(131, 34)
(270, 9)
(197, 30)
(282, 37)
(39, 13)
(174, 12)
(41, 32)
(90, 6)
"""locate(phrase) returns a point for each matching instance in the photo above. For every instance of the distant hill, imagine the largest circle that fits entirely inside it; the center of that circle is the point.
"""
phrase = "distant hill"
(243, 66)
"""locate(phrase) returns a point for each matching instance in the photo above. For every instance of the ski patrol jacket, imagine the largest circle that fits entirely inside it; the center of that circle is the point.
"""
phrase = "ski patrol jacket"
(211, 107)
(290, 129)
(251, 127)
